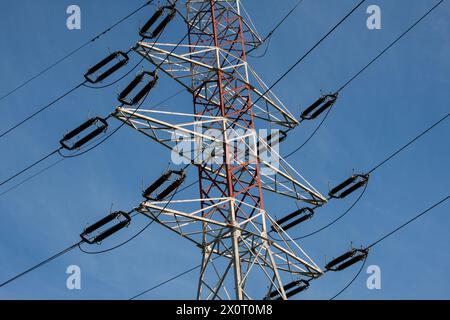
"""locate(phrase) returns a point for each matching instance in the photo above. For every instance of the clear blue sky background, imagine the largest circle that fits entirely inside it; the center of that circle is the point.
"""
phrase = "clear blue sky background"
(396, 98)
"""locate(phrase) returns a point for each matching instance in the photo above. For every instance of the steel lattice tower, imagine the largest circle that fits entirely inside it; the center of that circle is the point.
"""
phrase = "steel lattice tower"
(217, 26)
(229, 221)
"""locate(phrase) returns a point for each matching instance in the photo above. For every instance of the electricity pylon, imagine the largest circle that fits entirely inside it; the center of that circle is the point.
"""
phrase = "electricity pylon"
(229, 222)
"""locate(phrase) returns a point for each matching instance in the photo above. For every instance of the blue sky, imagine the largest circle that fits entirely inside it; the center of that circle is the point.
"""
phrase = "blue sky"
(399, 96)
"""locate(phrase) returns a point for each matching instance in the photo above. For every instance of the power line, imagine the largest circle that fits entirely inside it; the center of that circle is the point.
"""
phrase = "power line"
(166, 282)
(372, 245)
(277, 26)
(136, 235)
(280, 79)
(134, 112)
(270, 34)
(190, 270)
(110, 135)
(361, 71)
(409, 222)
(409, 143)
(41, 110)
(59, 152)
(412, 141)
(31, 177)
(389, 46)
(303, 57)
(192, 184)
(41, 264)
(78, 244)
(75, 51)
(335, 220)
(29, 167)
(84, 251)
(102, 140)
(177, 276)
(415, 139)
(308, 52)
(353, 280)
(119, 245)
(388, 235)
(82, 84)
(310, 136)
(115, 81)
(187, 187)
(396, 152)
(106, 138)
(77, 155)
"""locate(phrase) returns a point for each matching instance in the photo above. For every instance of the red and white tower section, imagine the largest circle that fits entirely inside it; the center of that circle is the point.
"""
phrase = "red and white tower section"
(229, 221)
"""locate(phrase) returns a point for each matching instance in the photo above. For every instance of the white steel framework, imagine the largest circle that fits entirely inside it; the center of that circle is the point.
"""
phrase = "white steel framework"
(228, 222)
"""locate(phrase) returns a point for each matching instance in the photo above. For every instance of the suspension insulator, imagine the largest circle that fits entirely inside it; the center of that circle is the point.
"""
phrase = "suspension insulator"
(349, 186)
(291, 289)
(347, 259)
(99, 125)
(175, 185)
(271, 140)
(85, 236)
(123, 97)
(145, 31)
(318, 107)
(155, 185)
(304, 213)
(122, 61)
(151, 194)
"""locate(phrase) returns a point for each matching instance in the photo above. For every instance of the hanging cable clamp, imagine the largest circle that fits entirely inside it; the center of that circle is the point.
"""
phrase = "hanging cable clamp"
(99, 124)
(124, 220)
(122, 58)
(318, 107)
(349, 186)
